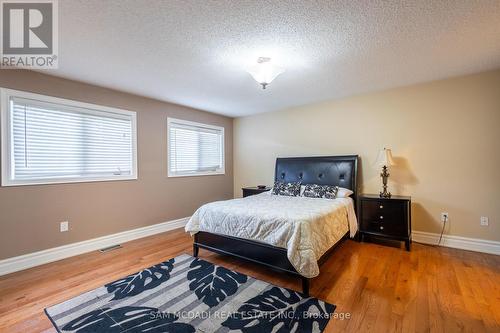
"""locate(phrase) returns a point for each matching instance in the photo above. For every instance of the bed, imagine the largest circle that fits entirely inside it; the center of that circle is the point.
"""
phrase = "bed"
(289, 234)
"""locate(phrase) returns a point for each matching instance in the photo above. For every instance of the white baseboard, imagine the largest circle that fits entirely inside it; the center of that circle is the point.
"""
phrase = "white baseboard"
(29, 260)
(457, 242)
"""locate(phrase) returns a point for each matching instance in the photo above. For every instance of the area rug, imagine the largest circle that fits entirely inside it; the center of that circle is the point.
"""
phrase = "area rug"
(187, 294)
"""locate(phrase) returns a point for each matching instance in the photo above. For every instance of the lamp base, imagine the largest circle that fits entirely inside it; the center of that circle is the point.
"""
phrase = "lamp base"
(385, 194)
(384, 175)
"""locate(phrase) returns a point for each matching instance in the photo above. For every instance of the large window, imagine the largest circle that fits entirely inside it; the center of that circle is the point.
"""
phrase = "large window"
(194, 149)
(49, 140)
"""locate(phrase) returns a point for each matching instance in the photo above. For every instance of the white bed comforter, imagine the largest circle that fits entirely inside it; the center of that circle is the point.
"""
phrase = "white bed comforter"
(306, 227)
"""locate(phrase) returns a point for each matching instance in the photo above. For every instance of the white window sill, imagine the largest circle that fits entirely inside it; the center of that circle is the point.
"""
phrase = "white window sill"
(175, 175)
(65, 181)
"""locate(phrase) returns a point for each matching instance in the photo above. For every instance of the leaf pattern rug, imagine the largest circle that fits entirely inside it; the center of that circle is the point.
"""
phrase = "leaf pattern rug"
(187, 294)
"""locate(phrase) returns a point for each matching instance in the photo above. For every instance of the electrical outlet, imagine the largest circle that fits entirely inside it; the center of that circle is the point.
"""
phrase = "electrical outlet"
(485, 221)
(445, 217)
(64, 226)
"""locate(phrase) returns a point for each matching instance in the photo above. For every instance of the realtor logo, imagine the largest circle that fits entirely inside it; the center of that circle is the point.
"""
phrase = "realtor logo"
(29, 34)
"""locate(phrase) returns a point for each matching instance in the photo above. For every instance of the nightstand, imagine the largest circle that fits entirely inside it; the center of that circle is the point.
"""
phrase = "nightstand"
(385, 217)
(247, 191)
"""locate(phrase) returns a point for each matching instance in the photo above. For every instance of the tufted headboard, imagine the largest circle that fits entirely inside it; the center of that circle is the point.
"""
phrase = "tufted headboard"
(325, 170)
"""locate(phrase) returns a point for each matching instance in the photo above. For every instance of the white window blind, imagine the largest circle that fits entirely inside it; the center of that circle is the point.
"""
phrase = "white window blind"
(194, 148)
(66, 141)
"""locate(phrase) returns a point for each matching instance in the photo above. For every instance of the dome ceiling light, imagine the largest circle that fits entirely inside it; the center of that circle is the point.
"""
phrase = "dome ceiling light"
(264, 71)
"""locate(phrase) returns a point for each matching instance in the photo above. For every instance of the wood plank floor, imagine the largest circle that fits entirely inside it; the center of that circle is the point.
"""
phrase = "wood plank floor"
(384, 289)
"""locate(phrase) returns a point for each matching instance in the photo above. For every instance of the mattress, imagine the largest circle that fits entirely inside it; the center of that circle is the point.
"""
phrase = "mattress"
(305, 227)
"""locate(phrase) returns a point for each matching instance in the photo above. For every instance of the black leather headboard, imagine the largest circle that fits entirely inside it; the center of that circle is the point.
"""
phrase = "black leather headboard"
(325, 170)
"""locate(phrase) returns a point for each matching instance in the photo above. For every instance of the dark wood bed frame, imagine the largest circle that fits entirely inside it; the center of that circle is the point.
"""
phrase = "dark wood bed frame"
(326, 170)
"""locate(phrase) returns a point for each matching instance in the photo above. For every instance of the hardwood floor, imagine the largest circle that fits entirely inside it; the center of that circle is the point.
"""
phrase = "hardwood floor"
(384, 289)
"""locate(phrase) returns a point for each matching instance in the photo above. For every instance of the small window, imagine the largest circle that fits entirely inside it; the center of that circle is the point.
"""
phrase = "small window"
(194, 149)
(48, 140)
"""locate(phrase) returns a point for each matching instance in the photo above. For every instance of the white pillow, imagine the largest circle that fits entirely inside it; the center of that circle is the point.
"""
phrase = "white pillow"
(344, 192)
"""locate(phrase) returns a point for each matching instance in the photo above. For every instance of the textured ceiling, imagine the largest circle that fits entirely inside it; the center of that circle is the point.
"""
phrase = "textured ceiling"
(194, 52)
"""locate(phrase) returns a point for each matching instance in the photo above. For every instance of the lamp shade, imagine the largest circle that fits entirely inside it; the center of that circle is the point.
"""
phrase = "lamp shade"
(384, 158)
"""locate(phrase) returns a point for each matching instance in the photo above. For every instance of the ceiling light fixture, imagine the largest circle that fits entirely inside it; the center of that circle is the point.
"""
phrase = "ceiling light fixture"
(264, 71)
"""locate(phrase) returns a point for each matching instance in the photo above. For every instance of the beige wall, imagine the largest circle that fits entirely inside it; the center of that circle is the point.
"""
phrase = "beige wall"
(445, 136)
(30, 215)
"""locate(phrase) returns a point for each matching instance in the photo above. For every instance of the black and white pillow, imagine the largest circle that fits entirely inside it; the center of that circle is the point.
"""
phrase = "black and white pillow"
(288, 189)
(320, 191)
(331, 192)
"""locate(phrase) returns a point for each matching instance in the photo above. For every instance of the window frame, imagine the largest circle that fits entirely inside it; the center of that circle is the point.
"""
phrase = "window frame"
(6, 135)
(221, 171)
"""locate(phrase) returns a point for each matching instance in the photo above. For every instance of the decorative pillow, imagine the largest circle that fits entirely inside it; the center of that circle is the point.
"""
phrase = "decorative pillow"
(314, 191)
(331, 192)
(288, 189)
(320, 191)
(276, 188)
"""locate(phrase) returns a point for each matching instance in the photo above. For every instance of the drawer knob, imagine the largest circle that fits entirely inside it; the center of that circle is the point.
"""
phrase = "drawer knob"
(381, 228)
(381, 217)
(381, 206)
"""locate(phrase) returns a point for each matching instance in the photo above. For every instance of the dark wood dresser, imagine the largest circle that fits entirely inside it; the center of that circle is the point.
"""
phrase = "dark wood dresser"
(385, 217)
(247, 191)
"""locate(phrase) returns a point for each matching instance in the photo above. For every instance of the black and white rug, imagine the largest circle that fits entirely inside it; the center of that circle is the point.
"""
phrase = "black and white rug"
(187, 294)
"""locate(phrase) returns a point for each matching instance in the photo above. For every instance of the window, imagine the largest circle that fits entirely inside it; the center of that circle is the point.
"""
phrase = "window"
(48, 140)
(194, 149)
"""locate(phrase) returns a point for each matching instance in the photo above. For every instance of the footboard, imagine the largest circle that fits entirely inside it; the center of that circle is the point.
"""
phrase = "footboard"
(257, 252)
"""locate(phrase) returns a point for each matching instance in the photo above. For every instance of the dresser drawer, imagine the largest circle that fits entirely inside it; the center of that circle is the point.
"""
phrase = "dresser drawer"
(391, 228)
(371, 226)
(380, 210)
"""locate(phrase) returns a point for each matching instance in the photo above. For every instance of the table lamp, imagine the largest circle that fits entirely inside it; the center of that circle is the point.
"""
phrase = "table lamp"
(384, 160)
